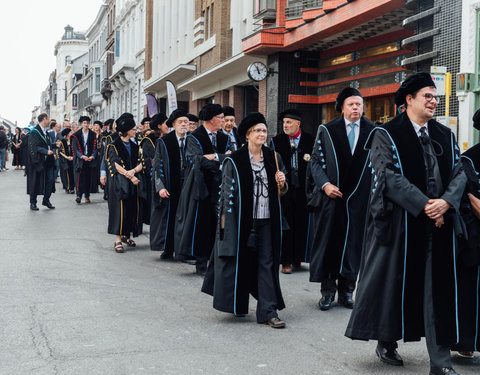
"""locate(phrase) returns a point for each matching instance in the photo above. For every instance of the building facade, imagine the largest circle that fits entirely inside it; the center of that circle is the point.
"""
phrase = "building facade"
(317, 47)
(72, 45)
(127, 72)
(196, 44)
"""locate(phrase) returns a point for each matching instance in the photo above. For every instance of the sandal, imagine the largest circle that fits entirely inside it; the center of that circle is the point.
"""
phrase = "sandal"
(129, 241)
(118, 247)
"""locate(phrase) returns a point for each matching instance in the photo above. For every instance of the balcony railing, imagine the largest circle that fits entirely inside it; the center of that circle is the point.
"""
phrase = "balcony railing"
(295, 8)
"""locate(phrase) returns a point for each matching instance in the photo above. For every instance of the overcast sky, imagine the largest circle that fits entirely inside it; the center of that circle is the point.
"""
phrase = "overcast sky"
(29, 30)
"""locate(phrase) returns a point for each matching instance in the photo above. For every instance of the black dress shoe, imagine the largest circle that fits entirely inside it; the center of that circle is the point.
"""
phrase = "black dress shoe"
(166, 255)
(346, 300)
(442, 371)
(389, 356)
(325, 302)
(78, 200)
(33, 207)
(48, 204)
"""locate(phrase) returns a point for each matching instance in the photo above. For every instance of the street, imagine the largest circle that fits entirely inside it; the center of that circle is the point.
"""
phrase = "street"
(71, 305)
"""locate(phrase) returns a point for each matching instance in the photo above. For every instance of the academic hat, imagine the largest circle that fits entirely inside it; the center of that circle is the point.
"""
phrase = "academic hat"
(250, 120)
(411, 85)
(290, 113)
(84, 118)
(145, 119)
(174, 115)
(344, 94)
(157, 120)
(98, 122)
(192, 117)
(125, 122)
(228, 111)
(109, 122)
(476, 120)
(65, 132)
(210, 111)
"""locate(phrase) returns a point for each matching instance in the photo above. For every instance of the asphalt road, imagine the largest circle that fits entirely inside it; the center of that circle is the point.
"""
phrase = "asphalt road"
(70, 305)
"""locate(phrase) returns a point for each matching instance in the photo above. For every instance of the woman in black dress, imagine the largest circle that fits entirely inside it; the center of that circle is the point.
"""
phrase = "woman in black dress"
(246, 254)
(126, 192)
(65, 153)
(17, 159)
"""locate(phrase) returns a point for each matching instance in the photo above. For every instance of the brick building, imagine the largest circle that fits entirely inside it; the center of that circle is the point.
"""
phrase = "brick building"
(314, 48)
(196, 44)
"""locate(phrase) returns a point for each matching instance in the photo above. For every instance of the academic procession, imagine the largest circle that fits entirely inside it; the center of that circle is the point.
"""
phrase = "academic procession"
(321, 162)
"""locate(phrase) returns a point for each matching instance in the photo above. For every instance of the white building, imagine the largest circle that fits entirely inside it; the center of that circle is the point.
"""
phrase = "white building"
(468, 85)
(71, 46)
(98, 107)
(198, 46)
(128, 69)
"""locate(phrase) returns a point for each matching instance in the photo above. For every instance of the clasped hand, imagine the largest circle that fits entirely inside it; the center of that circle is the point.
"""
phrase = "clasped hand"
(435, 209)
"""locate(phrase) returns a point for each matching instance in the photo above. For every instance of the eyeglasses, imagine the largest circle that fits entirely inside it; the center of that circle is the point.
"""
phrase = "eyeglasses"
(260, 130)
(428, 97)
(220, 117)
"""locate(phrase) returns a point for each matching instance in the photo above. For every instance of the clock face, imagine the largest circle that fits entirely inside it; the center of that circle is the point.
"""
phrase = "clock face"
(257, 71)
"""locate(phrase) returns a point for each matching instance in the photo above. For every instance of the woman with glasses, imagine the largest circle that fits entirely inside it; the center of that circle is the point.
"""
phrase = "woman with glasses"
(246, 254)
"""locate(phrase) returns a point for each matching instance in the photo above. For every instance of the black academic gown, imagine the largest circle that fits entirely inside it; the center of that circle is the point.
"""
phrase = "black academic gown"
(38, 160)
(336, 225)
(389, 301)
(147, 145)
(125, 200)
(468, 271)
(232, 275)
(66, 166)
(166, 174)
(84, 171)
(294, 202)
(196, 217)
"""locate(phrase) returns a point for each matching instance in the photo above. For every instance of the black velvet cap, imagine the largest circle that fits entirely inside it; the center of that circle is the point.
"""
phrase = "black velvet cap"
(125, 122)
(476, 120)
(157, 120)
(145, 119)
(411, 85)
(84, 118)
(252, 119)
(290, 113)
(174, 115)
(210, 111)
(65, 132)
(192, 117)
(228, 111)
(109, 122)
(344, 94)
(98, 122)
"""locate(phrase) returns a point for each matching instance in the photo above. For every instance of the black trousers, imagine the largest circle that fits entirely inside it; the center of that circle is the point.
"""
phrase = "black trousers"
(84, 182)
(329, 286)
(439, 355)
(267, 296)
(49, 185)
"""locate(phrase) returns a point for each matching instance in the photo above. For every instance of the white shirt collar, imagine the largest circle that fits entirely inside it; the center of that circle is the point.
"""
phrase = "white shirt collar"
(355, 122)
(251, 156)
(417, 128)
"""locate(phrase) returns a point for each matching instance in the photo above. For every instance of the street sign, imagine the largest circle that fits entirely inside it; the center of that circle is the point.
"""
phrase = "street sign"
(439, 80)
(438, 69)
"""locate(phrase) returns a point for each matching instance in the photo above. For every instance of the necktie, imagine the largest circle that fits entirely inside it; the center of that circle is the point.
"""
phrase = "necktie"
(214, 141)
(434, 179)
(182, 153)
(351, 135)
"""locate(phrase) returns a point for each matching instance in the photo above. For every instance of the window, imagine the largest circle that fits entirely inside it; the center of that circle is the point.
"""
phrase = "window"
(68, 60)
(97, 79)
(65, 89)
(117, 43)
